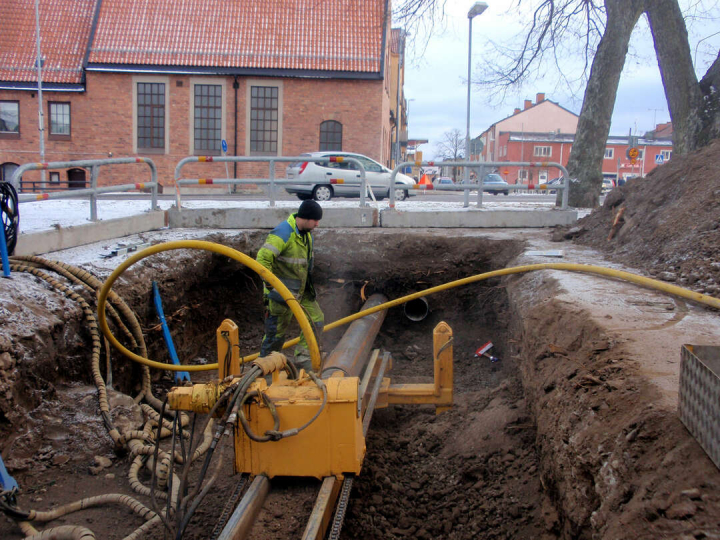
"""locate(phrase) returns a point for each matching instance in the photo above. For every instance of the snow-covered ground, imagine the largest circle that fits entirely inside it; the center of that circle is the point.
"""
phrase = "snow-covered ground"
(49, 214)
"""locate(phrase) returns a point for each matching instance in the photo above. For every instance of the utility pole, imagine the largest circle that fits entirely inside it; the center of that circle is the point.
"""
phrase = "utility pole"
(41, 120)
(398, 115)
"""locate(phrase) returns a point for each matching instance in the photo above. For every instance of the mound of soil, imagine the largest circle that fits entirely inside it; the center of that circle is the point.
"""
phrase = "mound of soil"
(670, 222)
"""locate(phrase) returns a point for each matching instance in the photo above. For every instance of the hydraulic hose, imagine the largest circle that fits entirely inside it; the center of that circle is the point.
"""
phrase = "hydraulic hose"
(259, 269)
(307, 331)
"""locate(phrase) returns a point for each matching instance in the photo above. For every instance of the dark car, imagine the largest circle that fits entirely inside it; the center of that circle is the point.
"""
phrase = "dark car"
(493, 183)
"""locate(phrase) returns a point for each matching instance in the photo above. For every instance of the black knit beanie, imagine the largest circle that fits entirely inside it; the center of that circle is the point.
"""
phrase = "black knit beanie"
(310, 210)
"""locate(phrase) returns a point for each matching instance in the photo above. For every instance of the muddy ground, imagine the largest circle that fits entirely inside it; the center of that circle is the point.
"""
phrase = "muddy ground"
(562, 438)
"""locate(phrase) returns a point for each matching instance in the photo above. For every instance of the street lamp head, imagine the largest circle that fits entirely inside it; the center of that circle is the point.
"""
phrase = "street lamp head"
(477, 9)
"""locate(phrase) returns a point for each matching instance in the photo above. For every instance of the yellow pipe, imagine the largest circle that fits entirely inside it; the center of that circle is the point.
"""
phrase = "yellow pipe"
(259, 269)
(582, 268)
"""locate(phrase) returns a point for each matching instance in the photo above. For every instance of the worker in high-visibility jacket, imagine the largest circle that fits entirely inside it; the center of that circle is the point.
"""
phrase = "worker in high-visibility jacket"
(288, 253)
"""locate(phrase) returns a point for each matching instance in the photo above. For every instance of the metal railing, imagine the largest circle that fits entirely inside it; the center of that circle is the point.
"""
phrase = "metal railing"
(271, 180)
(93, 191)
(480, 185)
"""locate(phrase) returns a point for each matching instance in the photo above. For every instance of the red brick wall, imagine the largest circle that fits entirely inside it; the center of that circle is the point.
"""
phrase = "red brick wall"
(102, 122)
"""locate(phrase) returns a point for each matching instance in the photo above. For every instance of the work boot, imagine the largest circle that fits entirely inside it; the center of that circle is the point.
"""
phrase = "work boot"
(302, 360)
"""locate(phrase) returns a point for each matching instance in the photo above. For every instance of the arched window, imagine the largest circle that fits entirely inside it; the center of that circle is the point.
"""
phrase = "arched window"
(330, 135)
(6, 170)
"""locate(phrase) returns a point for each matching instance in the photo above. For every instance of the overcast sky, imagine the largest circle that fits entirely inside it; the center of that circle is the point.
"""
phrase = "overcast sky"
(435, 80)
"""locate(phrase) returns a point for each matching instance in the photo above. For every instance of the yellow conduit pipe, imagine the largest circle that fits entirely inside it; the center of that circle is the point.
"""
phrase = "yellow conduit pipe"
(259, 269)
(569, 267)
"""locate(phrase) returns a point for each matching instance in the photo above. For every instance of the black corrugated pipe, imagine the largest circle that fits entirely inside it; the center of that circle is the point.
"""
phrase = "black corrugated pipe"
(417, 309)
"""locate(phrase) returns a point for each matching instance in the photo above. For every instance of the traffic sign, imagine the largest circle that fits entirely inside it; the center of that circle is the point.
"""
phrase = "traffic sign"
(659, 159)
(633, 153)
(224, 145)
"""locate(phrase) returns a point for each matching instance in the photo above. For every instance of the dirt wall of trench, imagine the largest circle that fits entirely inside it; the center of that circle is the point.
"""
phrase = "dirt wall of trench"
(614, 464)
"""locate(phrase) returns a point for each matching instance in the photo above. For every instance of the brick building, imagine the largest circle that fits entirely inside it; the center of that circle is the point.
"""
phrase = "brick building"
(545, 131)
(162, 79)
(555, 147)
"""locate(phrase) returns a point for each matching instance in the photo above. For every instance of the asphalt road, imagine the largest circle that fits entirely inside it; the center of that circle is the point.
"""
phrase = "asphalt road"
(281, 195)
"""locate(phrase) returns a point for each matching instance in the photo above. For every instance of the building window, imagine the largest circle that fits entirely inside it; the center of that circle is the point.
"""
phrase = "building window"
(264, 107)
(330, 135)
(54, 177)
(609, 153)
(10, 119)
(522, 175)
(6, 171)
(150, 117)
(641, 154)
(208, 119)
(542, 151)
(59, 120)
(666, 154)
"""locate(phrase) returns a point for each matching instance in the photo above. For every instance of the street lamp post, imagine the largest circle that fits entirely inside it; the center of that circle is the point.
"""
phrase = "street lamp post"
(476, 10)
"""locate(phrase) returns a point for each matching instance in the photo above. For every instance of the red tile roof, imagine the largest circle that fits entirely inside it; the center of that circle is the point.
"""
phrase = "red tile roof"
(64, 31)
(334, 35)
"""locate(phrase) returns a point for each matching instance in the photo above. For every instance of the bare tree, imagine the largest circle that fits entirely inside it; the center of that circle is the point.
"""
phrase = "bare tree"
(451, 148)
(600, 32)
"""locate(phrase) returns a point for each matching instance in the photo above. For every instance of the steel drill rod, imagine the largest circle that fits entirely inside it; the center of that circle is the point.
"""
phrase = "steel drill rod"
(375, 391)
(246, 513)
(322, 511)
(351, 354)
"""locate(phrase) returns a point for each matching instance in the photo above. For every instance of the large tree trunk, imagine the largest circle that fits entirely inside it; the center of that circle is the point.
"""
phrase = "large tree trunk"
(678, 75)
(710, 108)
(588, 151)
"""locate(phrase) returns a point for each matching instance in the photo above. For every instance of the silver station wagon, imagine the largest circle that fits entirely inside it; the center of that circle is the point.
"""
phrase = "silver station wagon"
(323, 181)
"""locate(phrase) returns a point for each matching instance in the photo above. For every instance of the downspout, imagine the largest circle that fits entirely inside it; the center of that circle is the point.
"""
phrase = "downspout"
(93, 29)
(236, 85)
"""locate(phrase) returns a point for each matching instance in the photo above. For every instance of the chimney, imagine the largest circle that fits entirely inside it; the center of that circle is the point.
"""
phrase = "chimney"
(539, 98)
(528, 103)
(516, 111)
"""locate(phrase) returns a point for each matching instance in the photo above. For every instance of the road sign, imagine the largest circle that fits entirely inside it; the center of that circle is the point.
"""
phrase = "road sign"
(633, 153)
(224, 145)
(659, 159)
(633, 161)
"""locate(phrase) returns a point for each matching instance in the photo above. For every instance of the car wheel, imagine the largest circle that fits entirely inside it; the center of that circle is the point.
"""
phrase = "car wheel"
(322, 193)
(401, 194)
(506, 193)
(495, 193)
(303, 196)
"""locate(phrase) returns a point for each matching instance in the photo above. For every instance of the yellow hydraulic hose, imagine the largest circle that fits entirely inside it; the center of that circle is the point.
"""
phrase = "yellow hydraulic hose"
(259, 269)
(570, 267)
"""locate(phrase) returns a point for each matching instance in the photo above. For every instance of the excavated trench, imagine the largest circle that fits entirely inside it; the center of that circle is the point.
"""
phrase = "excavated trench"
(489, 468)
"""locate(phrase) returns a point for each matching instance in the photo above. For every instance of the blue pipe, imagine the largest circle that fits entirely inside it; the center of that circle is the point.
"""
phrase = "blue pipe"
(4, 252)
(7, 482)
(179, 375)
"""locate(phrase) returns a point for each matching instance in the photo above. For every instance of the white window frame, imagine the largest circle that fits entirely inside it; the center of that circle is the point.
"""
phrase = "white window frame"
(194, 81)
(542, 151)
(666, 154)
(149, 79)
(523, 175)
(249, 83)
(609, 153)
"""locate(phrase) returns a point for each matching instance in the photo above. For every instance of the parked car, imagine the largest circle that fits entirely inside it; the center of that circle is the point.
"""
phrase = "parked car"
(607, 185)
(444, 181)
(493, 183)
(317, 178)
(554, 182)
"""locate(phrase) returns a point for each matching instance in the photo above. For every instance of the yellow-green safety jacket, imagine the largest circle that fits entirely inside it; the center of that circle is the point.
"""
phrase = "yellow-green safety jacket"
(288, 254)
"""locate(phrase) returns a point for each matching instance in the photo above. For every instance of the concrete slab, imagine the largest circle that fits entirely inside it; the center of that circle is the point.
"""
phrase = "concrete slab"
(79, 235)
(265, 218)
(478, 218)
